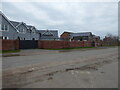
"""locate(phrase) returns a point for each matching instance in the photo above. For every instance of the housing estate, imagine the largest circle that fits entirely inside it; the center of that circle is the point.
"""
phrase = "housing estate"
(19, 30)
(83, 36)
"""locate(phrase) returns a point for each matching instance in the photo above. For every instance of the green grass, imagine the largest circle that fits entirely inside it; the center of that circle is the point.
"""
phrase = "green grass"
(110, 46)
(71, 48)
(9, 51)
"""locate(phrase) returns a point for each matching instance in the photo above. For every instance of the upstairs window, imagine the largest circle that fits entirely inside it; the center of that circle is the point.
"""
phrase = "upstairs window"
(0, 27)
(33, 31)
(4, 27)
(22, 31)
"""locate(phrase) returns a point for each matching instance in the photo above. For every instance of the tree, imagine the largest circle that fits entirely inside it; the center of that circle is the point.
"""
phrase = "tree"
(111, 39)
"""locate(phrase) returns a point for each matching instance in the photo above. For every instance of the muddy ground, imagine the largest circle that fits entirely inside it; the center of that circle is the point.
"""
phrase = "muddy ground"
(94, 69)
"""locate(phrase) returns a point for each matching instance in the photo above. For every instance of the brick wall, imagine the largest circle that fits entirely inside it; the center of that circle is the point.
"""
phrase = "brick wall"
(63, 44)
(9, 44)
(14, 44)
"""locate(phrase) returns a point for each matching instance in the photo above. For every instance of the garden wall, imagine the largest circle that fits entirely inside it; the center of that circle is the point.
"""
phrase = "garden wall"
(9, 44)
(63, 44)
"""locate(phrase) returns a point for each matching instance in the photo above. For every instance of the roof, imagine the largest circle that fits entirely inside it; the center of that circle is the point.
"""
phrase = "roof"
(29, 26)
(50, 33)
(15, 23)
(81, 34)
(42, 31)
(67, 32)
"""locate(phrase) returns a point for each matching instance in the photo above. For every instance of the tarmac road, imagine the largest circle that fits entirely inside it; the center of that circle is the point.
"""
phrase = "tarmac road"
(62, 69)
(47, 57)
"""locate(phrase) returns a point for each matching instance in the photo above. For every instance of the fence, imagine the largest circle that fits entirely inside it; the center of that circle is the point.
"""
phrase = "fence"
(16, 44)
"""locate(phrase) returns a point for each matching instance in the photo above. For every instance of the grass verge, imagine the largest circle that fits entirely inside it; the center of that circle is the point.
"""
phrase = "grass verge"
(71, 48)
(9, 51)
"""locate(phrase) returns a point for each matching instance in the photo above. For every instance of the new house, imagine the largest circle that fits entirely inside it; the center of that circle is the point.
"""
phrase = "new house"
(83, 36)
(7, 29)
(19, 30)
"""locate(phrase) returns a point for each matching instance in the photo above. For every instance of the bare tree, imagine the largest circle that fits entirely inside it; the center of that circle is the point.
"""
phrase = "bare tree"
(111, 39)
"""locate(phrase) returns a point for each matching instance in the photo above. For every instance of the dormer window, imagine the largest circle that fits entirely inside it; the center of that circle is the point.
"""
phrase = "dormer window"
(22, 31)
(34, 31)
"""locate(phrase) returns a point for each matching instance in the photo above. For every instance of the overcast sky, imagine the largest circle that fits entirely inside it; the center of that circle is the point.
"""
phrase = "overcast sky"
(99, 18)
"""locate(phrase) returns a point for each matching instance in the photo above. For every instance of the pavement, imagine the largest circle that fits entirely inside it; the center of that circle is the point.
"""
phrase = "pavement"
(62, 69)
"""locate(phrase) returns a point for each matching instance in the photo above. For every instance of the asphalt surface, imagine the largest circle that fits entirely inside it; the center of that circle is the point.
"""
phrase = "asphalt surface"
(94, 68)
(103, 78)
(46, 57)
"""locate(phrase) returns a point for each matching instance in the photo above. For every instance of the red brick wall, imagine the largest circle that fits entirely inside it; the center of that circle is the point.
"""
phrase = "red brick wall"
(14, 44)
(63, 44)
(53, 44)
(87, 44)
(9, 44)
(76, 44)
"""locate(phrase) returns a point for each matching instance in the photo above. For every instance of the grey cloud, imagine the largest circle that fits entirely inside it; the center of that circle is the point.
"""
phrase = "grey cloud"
(99, 18)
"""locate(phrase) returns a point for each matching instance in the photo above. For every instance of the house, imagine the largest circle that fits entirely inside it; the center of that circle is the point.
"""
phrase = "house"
(22, 33)
(19, 30)
(65, 35)
(76, 36)
(84, 36)
(96, 38)
(48, 34)
(16, 30)
(25, 32)
(7, 29)
(34, 35)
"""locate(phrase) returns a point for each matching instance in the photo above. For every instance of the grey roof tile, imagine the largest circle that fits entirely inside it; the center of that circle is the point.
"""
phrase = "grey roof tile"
(15, 23)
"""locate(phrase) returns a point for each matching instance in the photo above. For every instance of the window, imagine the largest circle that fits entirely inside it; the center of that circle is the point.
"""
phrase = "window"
(22, 30)
(4, 27)
(0, 27)
(34, 31)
